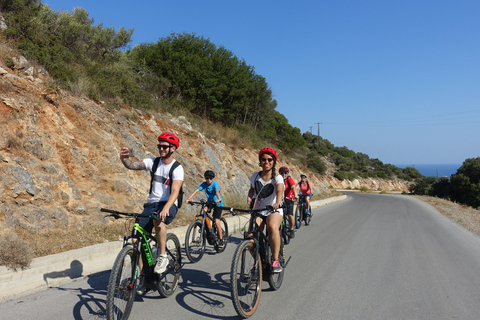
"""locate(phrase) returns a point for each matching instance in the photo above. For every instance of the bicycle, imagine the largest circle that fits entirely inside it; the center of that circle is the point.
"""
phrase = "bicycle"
(124, 277)
(251, 265)
(285, 228)
(203, 229)
(301, 212)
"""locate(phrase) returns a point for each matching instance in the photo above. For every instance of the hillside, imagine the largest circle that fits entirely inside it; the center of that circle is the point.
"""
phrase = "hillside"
(59, 156)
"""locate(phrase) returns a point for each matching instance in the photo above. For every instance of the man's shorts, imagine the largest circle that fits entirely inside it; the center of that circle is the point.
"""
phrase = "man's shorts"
(289, 207)
(153, 207)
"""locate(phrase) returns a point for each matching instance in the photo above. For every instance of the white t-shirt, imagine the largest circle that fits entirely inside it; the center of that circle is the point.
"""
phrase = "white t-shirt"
(161, 183)
(265, 192)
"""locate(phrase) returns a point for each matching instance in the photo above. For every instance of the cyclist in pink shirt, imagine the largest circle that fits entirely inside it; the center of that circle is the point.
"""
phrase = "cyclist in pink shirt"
(305, 188)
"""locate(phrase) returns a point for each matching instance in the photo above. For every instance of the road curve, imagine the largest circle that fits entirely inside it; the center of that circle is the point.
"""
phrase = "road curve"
(368, 257)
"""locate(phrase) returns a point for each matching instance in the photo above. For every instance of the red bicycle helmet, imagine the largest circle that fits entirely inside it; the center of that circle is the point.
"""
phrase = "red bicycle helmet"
(268, 150)
(170, 138)
(283, 169)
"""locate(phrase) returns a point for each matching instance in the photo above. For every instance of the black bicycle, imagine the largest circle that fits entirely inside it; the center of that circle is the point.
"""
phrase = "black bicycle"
(251, 264)
(301, 213)
(203, 230)
(285, 228)
(124, 277)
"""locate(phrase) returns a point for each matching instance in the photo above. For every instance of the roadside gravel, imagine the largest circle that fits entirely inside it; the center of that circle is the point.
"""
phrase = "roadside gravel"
(464, 215)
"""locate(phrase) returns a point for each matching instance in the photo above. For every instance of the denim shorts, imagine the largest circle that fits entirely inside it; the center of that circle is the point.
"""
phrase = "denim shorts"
(148, 208)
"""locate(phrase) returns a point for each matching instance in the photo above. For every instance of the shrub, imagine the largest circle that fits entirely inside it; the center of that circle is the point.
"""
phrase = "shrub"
(14, 252)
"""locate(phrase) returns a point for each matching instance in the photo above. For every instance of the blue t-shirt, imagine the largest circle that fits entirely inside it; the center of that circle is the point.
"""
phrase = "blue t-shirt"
(211, 192)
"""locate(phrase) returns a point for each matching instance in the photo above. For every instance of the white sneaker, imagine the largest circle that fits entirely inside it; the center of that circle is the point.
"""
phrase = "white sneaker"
(161, 266)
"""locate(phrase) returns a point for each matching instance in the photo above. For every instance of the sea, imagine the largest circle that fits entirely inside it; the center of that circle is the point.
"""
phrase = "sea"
(433, 170)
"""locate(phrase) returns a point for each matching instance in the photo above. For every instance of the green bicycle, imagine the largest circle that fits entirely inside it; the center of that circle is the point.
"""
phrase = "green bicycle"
(122, 285)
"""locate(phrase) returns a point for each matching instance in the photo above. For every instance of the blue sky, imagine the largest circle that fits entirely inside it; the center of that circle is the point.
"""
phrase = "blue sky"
(396, 80)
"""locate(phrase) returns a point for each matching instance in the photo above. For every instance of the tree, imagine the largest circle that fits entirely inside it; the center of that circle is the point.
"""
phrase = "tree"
(465, 184)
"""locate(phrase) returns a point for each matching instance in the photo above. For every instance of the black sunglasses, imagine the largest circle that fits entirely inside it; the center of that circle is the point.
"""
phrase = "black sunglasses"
(283, 172)
(208, 178)
(266, 159)
(163, 146)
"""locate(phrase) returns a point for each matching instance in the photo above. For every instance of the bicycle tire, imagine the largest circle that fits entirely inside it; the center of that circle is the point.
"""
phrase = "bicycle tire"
(298, 217)
(308, 217)
(168, 284)
(224, 224)
(275, 279)
(284, 230)
(121, 288)
(195, 242)
(246, 279)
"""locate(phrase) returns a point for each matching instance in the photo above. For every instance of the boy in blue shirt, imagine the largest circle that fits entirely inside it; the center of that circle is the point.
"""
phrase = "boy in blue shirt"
(212, 191)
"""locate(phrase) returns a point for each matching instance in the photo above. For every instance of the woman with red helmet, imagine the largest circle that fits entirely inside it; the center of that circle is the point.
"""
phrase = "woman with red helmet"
(163, 192)
(266, 188)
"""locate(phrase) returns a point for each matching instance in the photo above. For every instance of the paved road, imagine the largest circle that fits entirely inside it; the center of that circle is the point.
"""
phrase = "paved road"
(367, 257)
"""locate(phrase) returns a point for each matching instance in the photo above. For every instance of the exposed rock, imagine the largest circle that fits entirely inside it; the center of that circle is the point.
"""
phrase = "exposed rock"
(59, 158)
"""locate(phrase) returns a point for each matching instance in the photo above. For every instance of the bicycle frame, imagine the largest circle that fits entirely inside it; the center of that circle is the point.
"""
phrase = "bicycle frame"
(142, 237)
(211, 232)
(303, 205)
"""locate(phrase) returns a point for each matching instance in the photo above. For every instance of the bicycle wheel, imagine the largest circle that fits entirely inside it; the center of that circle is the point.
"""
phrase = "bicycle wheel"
(121, 286)
(246, 279)
(308, 217)
(275, 280)
(224, 224)
(168, 284)
(195, 242)
(284, 230)
(298, 217)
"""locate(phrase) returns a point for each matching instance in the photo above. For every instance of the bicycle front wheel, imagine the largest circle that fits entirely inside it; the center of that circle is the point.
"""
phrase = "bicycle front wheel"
(246, 279)
(284, 230)
(121, 285)
(169, 282)
(308, 217)
(224, 225)
(195, 242)
(275, 280)
(298, 217)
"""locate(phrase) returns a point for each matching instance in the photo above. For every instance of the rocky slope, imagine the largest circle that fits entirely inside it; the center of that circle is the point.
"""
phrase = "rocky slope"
(59, 156)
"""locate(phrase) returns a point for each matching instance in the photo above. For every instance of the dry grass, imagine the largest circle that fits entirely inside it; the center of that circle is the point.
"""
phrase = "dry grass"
(60, 240)
(15, 252)
(466, 216)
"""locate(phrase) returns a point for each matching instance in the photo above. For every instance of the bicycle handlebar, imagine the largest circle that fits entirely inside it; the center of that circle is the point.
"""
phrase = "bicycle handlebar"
(117, 214)
(202, 202)
(253, 211)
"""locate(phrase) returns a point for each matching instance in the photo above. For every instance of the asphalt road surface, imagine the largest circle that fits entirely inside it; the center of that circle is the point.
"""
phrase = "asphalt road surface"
(368, 257)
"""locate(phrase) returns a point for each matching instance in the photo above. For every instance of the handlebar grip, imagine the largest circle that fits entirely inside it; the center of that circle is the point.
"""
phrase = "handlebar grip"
(107, 210)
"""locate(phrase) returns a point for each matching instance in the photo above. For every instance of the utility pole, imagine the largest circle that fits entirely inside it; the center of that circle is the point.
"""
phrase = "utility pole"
(318, 123)
(311, 129)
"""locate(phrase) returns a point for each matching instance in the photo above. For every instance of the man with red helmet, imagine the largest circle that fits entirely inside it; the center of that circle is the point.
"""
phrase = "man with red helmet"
(289, 197)
(163, 192)
(266, 188)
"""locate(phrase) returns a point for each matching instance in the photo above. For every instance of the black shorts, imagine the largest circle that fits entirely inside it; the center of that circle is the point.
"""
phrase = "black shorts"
(289, 209)
(217, 212)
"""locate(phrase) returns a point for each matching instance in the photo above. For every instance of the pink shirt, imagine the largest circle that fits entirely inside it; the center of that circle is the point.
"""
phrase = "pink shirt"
(305, 187)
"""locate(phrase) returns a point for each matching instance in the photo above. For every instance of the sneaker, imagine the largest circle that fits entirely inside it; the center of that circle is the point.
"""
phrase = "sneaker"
(276, 267)
(291, 234)
(221, 243)
(141, 287)
(161, 266)
(308, 212)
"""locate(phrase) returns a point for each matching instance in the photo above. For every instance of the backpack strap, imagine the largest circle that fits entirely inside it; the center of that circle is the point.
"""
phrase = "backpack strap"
(170, 173)
(152, 173)
(290, 181)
